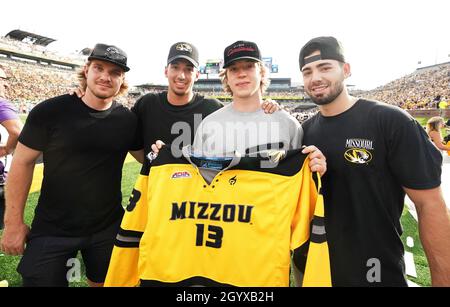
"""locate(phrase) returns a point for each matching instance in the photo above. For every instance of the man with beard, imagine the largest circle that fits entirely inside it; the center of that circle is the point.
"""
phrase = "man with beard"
(84, 143)
(172, 116)
(375, 153)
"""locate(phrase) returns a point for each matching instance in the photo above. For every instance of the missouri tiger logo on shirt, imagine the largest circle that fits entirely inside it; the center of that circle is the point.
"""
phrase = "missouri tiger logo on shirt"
(359, 151)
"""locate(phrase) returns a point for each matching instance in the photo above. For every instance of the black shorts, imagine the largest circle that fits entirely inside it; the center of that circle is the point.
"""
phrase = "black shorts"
(48, 259)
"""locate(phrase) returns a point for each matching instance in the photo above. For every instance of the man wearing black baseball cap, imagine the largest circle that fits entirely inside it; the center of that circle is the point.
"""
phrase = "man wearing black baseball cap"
(110, 54)
(241, 50)
(375, 153)
(246, 78)
(172, 116)
(84, 143)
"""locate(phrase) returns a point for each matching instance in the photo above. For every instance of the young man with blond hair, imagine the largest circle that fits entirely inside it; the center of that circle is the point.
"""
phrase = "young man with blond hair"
(242, 126)
(84, 142)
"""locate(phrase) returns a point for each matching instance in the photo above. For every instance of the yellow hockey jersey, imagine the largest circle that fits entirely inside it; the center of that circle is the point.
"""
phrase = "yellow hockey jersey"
(235, 229)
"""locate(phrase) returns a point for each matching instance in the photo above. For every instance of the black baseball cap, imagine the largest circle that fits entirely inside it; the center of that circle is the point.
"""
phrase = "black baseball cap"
(241, 50)
(109, 53)
(329, 48)
(183, 50)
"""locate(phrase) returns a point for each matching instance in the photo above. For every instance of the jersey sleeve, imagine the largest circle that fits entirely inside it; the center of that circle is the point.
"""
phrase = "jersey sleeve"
(413, 159)
(123, 267)
(308, 231)
(318, 270)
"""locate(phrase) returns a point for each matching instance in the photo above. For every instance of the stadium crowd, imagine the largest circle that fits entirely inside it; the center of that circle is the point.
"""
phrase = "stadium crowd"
(31, 83)
(423, 89)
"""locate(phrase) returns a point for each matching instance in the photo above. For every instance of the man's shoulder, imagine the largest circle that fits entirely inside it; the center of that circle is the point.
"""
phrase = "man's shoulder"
(211, 104)
(7, 110)
(55, 103)
(149, 98)
(310, 121)
(4, 103)
(218, 114)
(378, 110)
(210, 100)
(286, 116)
(123, 110)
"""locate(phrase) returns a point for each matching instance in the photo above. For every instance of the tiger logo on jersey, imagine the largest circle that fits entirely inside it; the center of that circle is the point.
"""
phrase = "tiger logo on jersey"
(358, 156)
(359, 151)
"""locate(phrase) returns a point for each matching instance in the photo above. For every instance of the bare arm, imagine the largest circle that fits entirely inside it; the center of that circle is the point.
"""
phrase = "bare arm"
(13, 126)
(437, 140)
(17, 188)
(434, 230)
(138, 155)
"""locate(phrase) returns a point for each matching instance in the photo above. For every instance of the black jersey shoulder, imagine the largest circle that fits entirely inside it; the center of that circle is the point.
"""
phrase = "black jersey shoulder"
(286, 163)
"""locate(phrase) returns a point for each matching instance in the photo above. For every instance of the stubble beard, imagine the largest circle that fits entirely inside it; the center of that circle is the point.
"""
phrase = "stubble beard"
(324, 100)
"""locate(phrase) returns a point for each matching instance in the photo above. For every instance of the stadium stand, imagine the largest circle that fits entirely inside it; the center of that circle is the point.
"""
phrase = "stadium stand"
(38, 74)
(425, 88)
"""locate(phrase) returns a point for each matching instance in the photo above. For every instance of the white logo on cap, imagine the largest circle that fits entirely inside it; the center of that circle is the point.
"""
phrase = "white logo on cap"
(112, 50)
(184, 47)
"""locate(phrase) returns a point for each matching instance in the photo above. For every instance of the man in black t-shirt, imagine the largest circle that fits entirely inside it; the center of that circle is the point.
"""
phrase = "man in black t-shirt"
(173, 116)
(375, 153)
(84, 143)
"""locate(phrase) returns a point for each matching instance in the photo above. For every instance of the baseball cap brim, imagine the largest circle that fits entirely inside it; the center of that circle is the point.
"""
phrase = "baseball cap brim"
(193, 62)
(93, 57)
(241, 58)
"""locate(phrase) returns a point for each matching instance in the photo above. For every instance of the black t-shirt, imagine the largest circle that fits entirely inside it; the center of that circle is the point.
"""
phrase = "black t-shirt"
(83, 153)
(160, 120)
(372, 151)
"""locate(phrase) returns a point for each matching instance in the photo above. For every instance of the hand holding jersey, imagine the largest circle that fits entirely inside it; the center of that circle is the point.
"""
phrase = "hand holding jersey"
(189, 224)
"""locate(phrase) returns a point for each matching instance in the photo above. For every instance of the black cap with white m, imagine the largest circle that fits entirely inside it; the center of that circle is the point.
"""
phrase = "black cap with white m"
(183, 50)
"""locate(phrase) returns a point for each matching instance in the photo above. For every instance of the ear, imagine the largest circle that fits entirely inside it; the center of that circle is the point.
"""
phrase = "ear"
(166, 70)
(347, 70)
(197, 75)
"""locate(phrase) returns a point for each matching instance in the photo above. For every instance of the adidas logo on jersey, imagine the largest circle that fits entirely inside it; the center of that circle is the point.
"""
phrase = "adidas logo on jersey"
(178, 175)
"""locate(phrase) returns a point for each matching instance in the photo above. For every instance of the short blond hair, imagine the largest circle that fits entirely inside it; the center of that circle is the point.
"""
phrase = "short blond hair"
(83, 82)
(433, 123)
(265, 81)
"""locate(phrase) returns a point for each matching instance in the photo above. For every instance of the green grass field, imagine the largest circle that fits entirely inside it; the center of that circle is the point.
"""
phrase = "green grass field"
(8, 264)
